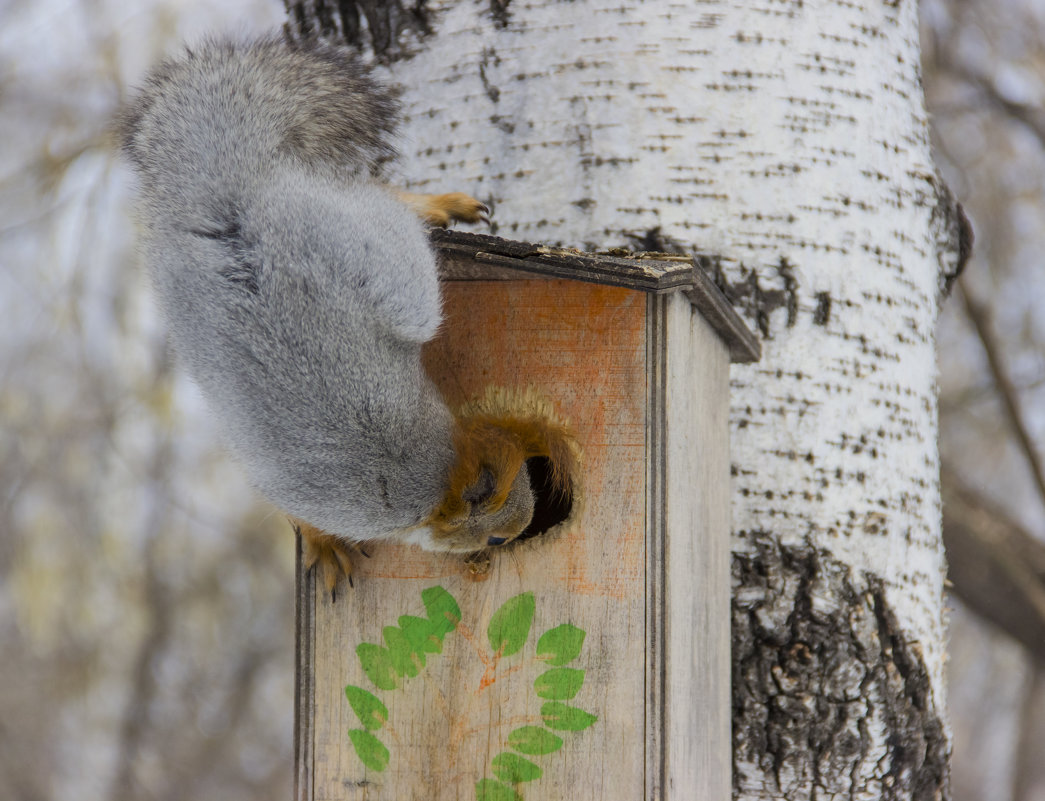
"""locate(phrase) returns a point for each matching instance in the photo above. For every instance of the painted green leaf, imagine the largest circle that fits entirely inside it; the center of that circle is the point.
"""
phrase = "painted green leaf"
(510, 625)
(560, 645)
(512, 768)
(367, 706)
(401, 653)
(370, 750)
(377, 664)
(566, 718)
(534, 740)
(559, 684)
(442, 610)
(491, 790)
(419, 631)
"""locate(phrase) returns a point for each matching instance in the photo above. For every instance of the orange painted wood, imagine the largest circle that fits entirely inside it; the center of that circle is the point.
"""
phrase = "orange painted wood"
(584, 347)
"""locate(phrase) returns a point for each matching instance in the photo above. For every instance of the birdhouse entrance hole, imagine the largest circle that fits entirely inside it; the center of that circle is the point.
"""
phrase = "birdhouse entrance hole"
(551, 506)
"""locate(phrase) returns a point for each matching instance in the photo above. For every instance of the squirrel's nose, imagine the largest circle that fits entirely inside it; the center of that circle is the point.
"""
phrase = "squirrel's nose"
(495, 541)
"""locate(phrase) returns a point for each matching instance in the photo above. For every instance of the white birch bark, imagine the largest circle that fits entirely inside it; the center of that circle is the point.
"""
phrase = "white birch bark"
(790, 139)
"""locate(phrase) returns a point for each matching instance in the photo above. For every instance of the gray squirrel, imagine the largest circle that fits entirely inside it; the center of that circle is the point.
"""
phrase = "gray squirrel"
(299, 291)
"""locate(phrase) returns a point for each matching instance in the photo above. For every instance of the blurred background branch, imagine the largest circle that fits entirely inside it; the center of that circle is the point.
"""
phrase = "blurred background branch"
(997, 568)
(1014, 417)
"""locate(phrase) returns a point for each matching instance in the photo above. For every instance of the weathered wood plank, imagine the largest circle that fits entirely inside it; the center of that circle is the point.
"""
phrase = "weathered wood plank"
(304, 673)
(467, 255)
(649, 272)
(688, 646)
(696, 609)
(584, 347)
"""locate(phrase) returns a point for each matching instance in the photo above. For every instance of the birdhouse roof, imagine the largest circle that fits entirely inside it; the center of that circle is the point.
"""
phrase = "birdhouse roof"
(468, 256)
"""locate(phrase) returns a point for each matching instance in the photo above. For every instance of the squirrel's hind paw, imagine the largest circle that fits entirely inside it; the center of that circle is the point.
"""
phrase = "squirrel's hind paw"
(326, 553)
(441, 210)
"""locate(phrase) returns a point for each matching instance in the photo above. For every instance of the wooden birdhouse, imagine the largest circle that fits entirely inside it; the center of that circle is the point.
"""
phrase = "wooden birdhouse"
(589, 660)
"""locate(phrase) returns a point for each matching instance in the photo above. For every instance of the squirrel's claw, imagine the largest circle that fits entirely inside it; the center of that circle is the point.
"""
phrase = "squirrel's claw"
(441, 210)
(327, 553)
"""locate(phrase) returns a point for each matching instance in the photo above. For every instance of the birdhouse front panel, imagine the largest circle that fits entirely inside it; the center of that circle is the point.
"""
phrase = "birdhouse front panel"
(444, 678)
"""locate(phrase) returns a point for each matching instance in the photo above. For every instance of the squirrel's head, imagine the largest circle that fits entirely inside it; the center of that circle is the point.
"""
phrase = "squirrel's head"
(511, 466)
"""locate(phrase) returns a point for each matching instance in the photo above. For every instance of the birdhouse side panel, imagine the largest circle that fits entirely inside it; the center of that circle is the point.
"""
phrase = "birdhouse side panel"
(695, 546)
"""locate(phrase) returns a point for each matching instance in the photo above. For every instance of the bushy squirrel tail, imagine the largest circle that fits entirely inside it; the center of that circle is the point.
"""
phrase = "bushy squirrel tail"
(228, 109)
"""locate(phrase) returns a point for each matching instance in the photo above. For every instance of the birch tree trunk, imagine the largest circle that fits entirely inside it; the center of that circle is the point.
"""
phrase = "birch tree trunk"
(788, 140)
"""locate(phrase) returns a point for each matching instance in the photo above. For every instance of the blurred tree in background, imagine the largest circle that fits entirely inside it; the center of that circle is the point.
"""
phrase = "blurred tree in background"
(146, 596)
(984, 71)
(146, 607)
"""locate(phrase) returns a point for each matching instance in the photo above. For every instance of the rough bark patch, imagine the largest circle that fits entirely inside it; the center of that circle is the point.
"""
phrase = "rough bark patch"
(829, 696)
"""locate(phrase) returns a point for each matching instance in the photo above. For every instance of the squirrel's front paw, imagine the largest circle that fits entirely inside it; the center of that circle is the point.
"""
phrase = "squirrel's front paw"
(327, 553)
(441, 210)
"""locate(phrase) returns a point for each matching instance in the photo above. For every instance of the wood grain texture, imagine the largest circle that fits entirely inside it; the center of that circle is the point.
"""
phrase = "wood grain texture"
(688, 634)
(465, 256)
(304, 673)
(696, 555)
(584, 347)
(641, 568)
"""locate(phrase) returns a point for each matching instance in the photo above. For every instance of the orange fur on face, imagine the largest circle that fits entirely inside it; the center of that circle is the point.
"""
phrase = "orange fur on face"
(499, 435)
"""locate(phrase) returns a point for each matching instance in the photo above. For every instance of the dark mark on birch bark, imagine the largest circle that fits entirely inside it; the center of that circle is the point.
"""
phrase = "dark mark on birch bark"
(655, 240)
(822, 313)
(380, 25)
(756, 302)
(489, 56)
(499, 11)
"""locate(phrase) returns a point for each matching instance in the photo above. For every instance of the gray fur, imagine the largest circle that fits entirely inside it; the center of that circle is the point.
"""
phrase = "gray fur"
(297, 290)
